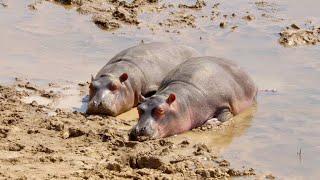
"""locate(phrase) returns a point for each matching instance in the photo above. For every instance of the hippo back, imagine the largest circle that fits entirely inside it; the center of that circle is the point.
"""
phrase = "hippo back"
(220, 81)
(155, 60)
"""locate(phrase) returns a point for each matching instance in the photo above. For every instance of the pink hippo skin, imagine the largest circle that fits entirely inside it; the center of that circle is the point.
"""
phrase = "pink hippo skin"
(197, 90)
(134, 71)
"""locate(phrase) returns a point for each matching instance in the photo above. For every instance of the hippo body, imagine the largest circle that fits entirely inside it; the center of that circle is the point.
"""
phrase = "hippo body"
(134, 71)
(197, 90)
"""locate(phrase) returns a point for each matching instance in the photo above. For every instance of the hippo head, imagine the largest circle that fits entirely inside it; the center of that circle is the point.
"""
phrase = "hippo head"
(109, 95)
(157, 118)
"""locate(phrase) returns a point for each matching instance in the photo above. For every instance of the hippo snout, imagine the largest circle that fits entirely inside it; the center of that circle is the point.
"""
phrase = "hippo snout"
(96, 103)
(99, 107)
(142, 133)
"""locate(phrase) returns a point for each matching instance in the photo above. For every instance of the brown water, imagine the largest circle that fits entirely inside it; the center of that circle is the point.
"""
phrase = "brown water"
(55, 44)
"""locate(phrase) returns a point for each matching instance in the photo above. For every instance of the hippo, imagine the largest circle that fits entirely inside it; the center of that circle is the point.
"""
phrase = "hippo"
(135, 71)
(198, 90)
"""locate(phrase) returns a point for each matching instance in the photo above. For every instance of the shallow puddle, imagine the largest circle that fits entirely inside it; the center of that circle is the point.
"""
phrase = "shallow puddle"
(54, 44)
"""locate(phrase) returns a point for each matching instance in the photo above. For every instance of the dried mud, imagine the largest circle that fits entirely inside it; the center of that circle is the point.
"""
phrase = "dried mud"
(38, 141)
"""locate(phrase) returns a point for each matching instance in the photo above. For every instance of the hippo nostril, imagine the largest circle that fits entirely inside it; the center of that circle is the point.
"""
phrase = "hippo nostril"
(100, 104)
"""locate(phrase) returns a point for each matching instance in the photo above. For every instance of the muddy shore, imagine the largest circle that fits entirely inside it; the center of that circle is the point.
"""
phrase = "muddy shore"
(38, 141)
(172, 16)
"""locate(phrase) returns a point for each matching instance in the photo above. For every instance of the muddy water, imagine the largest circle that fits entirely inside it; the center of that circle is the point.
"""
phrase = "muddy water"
(55, 44)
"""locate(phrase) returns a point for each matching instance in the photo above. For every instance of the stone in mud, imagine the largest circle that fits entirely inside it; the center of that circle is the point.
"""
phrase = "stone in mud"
(146, 161)
(105, 22)
(201, 149)
(41, 148)
(55, 125)
(294, 26)
(184, 143)
(233, 172)
(64, 2)
(249, 17)
(163, 142)
(33, 131)
(113, 166)
(223, 163)
(50, 159)
(16, 147)
(143, 172)
(4, 132)
(72, 132)
(105, 137)
(295, 36)
(223, 24)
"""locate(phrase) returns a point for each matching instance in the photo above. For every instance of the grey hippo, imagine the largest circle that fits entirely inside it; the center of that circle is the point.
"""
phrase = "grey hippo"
(199, 89)
(135, 71)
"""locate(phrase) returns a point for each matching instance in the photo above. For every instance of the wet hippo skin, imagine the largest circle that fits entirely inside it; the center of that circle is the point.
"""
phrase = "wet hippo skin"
(134, 71)
(197, 90)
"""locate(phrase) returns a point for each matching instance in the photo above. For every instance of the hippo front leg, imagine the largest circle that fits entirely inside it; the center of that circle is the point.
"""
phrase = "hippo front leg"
(224, 115)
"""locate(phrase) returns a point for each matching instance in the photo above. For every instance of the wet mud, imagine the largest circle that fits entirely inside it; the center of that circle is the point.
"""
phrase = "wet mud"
(53, 143)
(112, 15)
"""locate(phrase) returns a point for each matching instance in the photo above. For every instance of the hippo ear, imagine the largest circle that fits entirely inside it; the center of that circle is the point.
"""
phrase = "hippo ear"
(123, 77)
(141, 98)
(171, 98)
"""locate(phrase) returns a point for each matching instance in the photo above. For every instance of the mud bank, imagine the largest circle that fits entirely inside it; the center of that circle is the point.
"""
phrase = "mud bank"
(172, 16)
(294, 35)
(37, 141)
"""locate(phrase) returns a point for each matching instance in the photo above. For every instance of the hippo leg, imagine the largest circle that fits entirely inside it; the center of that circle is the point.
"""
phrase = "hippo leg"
(224, 115)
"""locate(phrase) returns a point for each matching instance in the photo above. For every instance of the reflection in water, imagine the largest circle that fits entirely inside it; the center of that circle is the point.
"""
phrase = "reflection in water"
(219, 139)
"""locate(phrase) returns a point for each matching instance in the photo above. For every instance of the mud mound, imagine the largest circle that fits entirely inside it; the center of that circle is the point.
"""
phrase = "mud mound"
(36, 145)
(296, 36)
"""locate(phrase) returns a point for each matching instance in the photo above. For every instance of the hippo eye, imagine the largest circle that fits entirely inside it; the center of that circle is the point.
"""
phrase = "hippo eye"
(112, 87)
(158, 112)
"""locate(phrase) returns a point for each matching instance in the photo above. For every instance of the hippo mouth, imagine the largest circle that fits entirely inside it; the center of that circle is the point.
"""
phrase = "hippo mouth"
(137, 136)
(101, 109)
